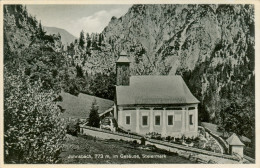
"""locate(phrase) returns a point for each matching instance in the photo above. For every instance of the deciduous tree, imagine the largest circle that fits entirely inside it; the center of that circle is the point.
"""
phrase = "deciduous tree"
(33, 131)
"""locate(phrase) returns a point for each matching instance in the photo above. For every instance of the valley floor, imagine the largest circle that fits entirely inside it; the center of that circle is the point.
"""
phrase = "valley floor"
(91, 150)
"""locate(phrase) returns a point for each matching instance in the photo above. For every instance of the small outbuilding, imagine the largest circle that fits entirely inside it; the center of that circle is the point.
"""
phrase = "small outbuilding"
(235, 145)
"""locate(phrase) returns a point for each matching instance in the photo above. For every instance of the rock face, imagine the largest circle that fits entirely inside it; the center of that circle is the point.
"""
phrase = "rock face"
(211, 46)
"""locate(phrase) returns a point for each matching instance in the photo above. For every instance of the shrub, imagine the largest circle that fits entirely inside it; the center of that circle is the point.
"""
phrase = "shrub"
(134, 142)
(188, 140)
(73, 128)
(196, 139)
(168, 138)
(33, 133)
(154, 135)
(143, 141)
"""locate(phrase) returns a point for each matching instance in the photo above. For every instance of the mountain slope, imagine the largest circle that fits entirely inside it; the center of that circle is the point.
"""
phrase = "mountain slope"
(66, 37)
(210, 46)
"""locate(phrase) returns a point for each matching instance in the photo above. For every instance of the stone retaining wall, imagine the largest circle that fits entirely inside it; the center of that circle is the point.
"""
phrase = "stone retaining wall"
(190, 149)
(105, 134)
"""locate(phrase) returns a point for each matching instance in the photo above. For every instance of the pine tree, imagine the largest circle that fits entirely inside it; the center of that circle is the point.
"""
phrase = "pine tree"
(100, 39)
(88, 38)
(41, 31)
(81, 39)
(80, 73)
(93, 115)
(25, 12)
(94, 41)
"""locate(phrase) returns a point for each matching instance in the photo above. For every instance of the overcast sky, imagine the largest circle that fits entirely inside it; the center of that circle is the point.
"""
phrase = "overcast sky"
(74, 18)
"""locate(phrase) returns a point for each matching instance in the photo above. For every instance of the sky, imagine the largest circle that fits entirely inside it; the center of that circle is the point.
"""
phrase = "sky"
(74, 18)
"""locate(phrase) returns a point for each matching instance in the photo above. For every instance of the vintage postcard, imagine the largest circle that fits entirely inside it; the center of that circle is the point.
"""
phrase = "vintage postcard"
(129, 83)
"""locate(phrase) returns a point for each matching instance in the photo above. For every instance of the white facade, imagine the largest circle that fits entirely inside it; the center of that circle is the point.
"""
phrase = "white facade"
(167, 121)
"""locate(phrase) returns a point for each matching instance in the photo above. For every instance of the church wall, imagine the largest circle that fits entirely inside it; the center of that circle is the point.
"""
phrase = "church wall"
(171, 130)
(192, 127)
(132, 114)
(157, 128)
(181, 121)
(144, 128)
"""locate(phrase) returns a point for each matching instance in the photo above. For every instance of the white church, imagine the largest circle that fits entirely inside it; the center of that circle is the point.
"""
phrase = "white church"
(162, 104)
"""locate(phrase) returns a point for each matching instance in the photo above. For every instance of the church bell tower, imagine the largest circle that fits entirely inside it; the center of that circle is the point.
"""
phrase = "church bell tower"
(122, 70)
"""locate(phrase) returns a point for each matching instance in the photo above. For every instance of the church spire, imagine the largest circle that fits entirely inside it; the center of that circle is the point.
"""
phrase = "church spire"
(122, 70)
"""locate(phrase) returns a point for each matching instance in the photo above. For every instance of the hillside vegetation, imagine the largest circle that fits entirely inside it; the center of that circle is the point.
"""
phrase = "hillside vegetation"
(33, 65)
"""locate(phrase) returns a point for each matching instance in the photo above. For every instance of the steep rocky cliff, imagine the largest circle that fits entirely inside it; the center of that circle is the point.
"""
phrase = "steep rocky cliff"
(211, 46)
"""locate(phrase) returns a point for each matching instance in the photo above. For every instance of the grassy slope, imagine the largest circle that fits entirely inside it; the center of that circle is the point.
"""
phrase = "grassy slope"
(79, 106)
(87, 145)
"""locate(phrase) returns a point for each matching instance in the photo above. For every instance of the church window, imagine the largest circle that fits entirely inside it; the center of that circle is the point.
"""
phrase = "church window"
(170, 119)
(191, 122)
(157, 120)
(145, 120)
(128, 120)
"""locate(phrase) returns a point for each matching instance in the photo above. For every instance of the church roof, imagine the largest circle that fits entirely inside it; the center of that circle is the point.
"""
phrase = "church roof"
(123, 53)
(234, 140)
(155, 90)
(123, 59)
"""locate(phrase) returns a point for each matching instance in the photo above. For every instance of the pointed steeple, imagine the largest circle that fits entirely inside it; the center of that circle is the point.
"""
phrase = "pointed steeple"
(123, 57)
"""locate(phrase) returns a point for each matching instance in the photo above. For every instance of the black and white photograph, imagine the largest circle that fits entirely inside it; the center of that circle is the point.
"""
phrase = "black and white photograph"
(128, 83)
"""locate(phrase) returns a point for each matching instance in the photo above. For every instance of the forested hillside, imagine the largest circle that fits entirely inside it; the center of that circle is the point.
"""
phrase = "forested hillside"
(33, 75)
(211, 46)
